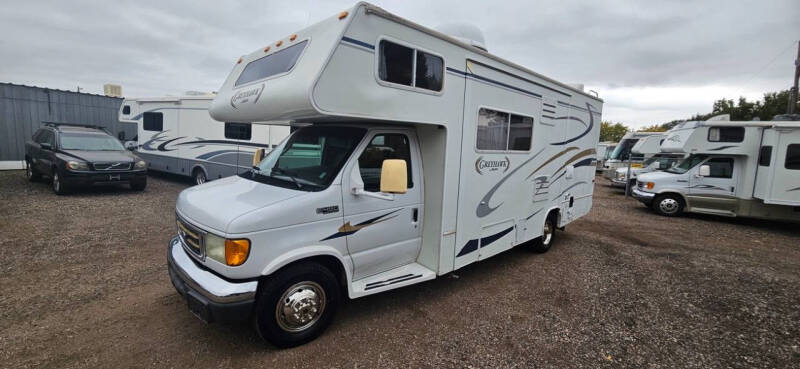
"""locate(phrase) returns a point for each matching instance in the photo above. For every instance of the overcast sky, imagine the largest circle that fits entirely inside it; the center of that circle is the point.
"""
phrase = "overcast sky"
(651, 61)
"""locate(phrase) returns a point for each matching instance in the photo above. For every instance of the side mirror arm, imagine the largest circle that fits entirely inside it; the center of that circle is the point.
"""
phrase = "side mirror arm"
(358, 186)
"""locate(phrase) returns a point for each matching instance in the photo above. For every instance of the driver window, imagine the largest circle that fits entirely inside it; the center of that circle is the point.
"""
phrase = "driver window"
(721, 167)
(382, 147)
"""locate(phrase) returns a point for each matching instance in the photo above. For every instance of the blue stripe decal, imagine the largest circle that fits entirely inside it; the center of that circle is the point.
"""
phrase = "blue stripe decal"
(584, 163)
(489, 80)
(208, 155)
(473, 245)
(357, 42)
(588, 129)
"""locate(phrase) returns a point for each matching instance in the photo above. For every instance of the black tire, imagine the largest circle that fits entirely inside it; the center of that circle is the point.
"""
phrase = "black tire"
(30, 173)
(58, 185)
(303, 281)
(668, 205)
(139, 185)
(199, 176)
(545, 241)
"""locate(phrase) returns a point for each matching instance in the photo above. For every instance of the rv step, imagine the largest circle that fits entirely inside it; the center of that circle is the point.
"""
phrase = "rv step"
(391, 279)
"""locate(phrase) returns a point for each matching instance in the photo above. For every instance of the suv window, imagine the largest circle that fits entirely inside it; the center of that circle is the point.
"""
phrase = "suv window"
(238, 131)
(721, 167)
(792, 157)
(397, 65)
(153, 121)
(382, 147)
(764, 156)
(726, 134)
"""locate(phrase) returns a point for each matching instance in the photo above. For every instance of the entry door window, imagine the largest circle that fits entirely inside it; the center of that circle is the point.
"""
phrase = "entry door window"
(721, 167)
(382, 147)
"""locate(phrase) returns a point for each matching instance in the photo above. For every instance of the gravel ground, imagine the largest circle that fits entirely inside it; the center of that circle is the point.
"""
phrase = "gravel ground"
(84, 284)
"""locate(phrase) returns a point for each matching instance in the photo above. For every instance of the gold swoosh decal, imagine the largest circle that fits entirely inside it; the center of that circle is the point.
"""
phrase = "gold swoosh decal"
(556, 156)
(352, 228)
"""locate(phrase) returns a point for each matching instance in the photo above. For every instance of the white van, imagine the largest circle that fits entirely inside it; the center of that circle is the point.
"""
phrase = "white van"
(176, 135)
(415, 154)
(737, 169)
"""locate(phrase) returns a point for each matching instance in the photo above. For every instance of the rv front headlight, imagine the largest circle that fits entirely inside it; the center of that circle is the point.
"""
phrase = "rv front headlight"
(77, 165)
(231, 252)
(141, 164)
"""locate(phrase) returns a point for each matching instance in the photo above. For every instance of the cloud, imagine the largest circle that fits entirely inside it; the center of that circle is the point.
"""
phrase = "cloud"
(650, 61)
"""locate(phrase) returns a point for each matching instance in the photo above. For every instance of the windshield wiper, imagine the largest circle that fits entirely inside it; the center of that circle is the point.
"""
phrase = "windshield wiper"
(289, 174)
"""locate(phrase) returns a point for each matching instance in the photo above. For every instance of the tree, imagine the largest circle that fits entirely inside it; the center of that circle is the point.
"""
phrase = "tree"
(612, 131)
(655, 128)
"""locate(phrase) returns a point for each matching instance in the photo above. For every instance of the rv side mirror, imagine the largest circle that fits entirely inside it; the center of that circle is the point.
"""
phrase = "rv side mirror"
(705, 171)
(357, 185)
(394, 176)
(258, 156)
(130, 145)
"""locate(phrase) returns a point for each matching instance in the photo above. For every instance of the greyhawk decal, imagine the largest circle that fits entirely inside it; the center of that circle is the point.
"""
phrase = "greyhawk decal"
(483, 208)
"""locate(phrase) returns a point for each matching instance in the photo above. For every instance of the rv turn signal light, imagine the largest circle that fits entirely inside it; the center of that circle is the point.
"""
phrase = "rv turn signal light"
(649, 185)
(236, 251)
(266, 49)
(279, 43)
(239, 61)
(294, 36)
(343, 15)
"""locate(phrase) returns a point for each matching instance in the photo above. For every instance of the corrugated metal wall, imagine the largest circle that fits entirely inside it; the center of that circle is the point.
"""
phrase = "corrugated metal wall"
(24, 108)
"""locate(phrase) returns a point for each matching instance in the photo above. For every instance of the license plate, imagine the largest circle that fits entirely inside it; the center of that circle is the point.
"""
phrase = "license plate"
(113, 177)
(636, 165)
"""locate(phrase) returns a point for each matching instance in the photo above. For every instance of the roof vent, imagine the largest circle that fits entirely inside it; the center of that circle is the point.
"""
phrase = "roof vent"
(466, 33)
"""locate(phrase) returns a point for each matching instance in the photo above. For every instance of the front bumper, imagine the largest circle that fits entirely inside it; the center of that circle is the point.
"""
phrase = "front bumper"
(645, 197)
(209, 296)
(102, 178)
(615, 182)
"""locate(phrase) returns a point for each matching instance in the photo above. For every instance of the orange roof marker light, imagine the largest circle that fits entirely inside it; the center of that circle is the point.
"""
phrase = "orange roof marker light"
(343, 15)
(239, 61)
(293, 37)
(279, 43)
(266, 49)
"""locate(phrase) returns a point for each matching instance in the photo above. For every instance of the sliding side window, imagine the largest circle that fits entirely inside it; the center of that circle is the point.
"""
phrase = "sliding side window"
(153, 121)
(792, 157)
(238, 131)
(409, 67)
(726, 134)
(500, 131)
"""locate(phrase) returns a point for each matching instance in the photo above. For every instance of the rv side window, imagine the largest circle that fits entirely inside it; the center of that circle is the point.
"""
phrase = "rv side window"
(238, 131)
(382, 147)
(501, 131)
(721, 167)
(126, 110)
(153, 121)
(276, 63)
(792, 157)
(726, 134)
(396, 63)
(409, 67)
(764, 156)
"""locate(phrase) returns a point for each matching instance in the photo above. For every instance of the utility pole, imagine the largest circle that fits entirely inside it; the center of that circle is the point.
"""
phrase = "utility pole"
(793, 94)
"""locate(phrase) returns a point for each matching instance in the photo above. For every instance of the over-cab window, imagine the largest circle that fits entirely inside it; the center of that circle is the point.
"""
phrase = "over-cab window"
(726, 134)
(792, 157)
(276, 63)
(126, 110)
(382, 147)
(238, 131)
(153, 121)
(500, 131)
(410, 67)
(764, 156)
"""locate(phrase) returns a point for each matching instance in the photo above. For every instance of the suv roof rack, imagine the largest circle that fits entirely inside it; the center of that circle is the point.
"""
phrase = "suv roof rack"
(56, 125)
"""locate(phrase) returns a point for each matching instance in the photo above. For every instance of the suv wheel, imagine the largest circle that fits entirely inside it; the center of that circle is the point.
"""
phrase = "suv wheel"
(669, 205)
(58, 186)
(543, 243)
(31, 173)
(296, 304)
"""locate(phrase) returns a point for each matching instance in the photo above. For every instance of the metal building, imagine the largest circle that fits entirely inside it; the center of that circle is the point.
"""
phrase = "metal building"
(24, 108)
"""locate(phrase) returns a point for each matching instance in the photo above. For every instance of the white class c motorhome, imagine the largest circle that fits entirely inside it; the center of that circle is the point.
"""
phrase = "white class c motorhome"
(747, 169)
(604, 150)
(415, 154)
(177, 135)
(648, 142)
(649, 148)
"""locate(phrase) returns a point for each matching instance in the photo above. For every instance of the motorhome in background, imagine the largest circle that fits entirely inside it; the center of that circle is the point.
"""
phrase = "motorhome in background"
(748, 169)
(430, 154)
(177, 135)
(604, 150)
(648, 142)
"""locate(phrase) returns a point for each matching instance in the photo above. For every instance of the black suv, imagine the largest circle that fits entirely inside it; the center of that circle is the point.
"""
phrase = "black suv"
(73, 155)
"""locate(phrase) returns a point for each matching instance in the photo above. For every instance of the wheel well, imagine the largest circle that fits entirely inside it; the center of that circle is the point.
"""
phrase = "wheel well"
(198, 168)
(556, 215)
(673, 194)
(331, 262)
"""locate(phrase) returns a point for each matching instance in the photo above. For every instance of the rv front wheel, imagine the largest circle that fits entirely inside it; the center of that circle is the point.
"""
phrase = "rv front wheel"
(543, 243)
(669, 205)
(296, 304)
(199, 176)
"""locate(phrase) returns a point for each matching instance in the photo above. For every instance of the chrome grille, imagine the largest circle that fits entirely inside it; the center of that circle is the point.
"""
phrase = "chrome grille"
(190, 236)
(114, 165)
(639, 184)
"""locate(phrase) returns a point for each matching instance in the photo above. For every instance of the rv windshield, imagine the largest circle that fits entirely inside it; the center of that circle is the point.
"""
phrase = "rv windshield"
(309, 159)
(623, 149)
(89, 142)
(687, 164)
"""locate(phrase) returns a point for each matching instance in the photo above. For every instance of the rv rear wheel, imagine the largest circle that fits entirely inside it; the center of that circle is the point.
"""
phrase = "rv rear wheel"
(543, 243)
(669, 205)
(296, 304)
(199, 176)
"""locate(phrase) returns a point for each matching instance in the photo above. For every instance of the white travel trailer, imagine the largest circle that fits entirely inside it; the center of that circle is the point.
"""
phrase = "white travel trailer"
(648, 145)
(417, 153)
(176, 135)
(748, 169)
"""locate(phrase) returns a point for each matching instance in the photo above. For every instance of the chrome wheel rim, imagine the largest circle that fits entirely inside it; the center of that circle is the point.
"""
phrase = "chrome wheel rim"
(200, 178)
(300, 306)
(56, 183)
(668, 206)
(547, 233)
